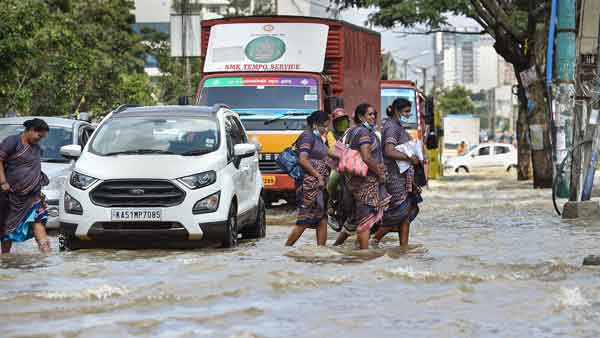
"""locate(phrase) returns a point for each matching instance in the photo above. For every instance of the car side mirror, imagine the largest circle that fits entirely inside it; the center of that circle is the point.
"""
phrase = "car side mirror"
(244, 150)
(473, 155)
(71, 151)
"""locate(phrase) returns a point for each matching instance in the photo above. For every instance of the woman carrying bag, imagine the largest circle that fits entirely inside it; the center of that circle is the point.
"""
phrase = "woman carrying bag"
(368, 191)
(406, 195)
(311, 190)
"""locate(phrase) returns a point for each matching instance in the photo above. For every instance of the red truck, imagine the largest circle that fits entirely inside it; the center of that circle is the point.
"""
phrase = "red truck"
(275, 70)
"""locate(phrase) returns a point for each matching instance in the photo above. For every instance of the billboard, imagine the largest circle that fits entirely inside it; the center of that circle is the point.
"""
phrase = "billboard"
(267, 47)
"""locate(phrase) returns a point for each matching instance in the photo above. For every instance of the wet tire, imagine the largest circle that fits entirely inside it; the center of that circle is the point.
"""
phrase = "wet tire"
(230, 237)
(463, 168)
(68, 242)
(259, 228)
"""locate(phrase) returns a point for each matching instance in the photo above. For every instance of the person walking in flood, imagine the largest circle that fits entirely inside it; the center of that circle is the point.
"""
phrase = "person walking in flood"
(341, 124)
(403, 208)
(369, 194)
(23, 211)
(311, 193)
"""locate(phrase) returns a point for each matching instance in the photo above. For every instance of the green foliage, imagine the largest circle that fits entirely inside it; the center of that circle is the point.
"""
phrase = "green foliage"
(60, 57)
(456, 100)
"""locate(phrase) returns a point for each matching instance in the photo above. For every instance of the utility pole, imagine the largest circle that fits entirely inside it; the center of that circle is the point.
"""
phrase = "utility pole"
(565, 84)
(185, 24)
(405, 63)
(592, 159)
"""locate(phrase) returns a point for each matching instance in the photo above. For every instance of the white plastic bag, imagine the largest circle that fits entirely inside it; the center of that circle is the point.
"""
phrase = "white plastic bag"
(410, 148)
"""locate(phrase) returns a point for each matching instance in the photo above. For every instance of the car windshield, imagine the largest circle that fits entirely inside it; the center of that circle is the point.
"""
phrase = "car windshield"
(273, 95)
(388, 95)
(51, 144)
(183, 136)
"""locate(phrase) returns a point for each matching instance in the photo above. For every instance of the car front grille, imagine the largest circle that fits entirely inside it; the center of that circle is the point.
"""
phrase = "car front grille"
(267, 163)
(137, 193)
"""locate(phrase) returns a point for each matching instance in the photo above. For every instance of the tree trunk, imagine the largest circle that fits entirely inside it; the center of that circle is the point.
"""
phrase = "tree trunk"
(543, 167)
(524, 151)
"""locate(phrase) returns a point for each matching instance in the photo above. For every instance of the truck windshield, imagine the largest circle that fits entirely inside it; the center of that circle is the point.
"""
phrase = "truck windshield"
(388, 95)
(51, 144)
(262, 95)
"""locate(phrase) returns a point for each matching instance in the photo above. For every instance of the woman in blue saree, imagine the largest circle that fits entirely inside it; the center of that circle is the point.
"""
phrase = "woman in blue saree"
(23, 212)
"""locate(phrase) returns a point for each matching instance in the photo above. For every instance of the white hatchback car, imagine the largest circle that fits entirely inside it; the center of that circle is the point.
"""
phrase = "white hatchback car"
(487, 155)
(165, 176)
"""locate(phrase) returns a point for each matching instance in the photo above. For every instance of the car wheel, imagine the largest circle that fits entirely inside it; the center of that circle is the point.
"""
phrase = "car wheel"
(68, 242)
(230, 237)
(259, 228)
(465, 169)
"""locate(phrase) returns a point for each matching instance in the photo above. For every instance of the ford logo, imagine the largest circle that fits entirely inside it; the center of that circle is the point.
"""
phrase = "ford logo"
(137, 191)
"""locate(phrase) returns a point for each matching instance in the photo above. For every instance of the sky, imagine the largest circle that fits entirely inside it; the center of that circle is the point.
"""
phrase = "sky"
(406, 46)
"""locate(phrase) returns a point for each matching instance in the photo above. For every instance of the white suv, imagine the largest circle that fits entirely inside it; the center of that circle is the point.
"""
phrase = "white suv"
(165, 176)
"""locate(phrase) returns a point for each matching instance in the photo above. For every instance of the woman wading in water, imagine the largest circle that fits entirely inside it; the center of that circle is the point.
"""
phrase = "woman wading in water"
(403, 208)
(311, 192)
(22, 208)
(369, 194)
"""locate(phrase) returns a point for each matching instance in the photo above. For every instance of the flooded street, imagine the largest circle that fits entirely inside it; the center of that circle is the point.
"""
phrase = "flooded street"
(491, 259)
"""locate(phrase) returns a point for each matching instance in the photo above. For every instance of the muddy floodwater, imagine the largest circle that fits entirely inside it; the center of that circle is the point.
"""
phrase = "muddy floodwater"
(489, 259)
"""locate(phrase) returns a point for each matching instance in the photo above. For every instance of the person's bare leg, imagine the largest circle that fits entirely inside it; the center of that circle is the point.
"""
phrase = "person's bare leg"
(381, 233)
(363, 239)
(322, 232)
(297, 231)
(6, 245)
(403, 234)
(341, 238)
(39, 232)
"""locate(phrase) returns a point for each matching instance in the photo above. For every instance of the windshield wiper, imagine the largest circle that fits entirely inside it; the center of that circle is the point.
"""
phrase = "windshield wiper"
(140, 152)
(292, 113)
(245, 113)
(195, 152)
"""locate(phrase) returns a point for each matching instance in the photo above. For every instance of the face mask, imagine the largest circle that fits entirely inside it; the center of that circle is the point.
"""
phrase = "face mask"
(369, 126)
(404, 119)
(341, 125)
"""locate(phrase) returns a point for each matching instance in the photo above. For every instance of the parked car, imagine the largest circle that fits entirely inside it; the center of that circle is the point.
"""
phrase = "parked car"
(58, 168)
(166, 176)
(487, 155)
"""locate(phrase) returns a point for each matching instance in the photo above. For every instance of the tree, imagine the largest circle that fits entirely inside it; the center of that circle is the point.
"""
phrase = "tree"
(456, 100)
(519, 28)
(55, 60)
(389, 68)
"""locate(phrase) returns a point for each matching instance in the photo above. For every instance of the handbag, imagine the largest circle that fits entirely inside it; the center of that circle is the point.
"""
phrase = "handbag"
(420, 177)
(350, 160)
(288, 162)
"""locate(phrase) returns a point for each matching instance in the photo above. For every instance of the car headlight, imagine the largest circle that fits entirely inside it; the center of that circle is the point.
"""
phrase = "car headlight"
(199, 180)
(207, 204)
(81, 181)
(72, 206)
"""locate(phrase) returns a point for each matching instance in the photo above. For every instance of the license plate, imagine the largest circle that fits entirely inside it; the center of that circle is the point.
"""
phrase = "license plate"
(136, 215)
(269, 180)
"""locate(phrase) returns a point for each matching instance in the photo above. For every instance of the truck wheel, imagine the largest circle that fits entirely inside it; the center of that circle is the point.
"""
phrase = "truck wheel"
(259, 228)
(229, 239)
